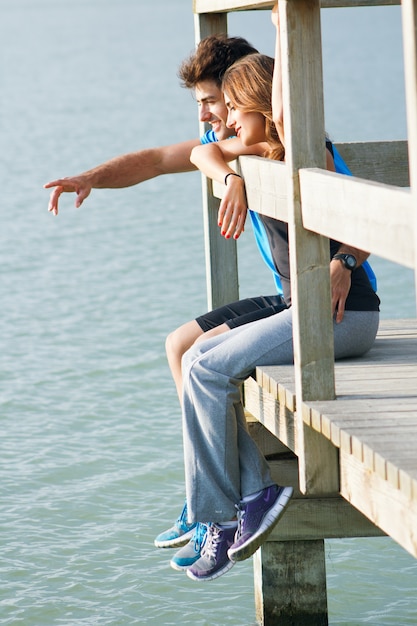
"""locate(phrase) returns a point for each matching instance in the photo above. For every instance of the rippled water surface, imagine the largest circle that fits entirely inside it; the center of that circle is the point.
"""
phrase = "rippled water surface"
(91, 453)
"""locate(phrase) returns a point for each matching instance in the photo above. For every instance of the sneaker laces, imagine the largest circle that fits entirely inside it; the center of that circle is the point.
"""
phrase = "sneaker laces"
(240, 519)
(182, 520)
(199, 536)
(211, 541)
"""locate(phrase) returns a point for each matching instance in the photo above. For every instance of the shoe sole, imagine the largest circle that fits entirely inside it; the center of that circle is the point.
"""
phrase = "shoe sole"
(217, 574)
(180, 568)
(179, 542)
(246, 550)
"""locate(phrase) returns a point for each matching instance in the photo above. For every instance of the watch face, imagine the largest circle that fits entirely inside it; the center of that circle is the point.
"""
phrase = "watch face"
(350, 261)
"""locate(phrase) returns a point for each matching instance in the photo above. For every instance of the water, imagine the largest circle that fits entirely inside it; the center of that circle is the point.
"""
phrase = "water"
(91, 452)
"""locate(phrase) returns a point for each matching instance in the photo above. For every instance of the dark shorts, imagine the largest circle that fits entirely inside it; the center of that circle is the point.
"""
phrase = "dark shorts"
(241, 312)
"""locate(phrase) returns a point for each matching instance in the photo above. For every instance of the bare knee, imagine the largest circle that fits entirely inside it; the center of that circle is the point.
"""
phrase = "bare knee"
(173, 345)
(181, 339)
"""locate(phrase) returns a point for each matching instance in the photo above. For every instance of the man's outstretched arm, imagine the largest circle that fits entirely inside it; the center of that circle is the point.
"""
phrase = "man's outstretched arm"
(124, 171)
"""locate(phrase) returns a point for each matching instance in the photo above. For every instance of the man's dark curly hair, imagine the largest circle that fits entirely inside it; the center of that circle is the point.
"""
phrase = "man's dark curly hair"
(214, 54)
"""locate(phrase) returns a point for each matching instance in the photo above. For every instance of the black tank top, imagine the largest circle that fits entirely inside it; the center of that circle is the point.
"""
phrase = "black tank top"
(361, 296)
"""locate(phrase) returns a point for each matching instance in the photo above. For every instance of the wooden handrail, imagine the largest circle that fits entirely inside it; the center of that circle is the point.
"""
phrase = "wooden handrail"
(225, 6)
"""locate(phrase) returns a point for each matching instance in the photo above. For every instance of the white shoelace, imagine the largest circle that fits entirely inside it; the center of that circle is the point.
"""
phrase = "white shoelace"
(211, 542)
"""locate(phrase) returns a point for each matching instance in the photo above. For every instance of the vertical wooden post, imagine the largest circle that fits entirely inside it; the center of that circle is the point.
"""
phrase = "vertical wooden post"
(409, 21)
(221, 254)
(290, 583)
(290, 577)
(309, 253)
(206, 24)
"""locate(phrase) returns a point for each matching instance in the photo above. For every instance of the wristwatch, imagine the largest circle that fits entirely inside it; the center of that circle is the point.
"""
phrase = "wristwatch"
(348, 260)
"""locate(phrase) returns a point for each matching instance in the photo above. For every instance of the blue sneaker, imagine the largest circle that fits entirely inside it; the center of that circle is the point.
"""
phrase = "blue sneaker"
(178, 535)
(191, 552)
(256, 519)
(213, 561)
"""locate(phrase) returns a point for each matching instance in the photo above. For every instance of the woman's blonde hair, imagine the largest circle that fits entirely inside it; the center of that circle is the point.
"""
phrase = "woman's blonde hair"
(248, 83)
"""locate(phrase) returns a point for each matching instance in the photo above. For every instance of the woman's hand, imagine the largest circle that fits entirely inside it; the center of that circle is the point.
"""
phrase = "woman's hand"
(233, 208)
(340, 282)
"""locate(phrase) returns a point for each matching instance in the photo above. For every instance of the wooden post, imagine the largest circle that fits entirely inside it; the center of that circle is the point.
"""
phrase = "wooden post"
(409, 21)
(290, 577)
(290, 583)
(221, 254)
(309, 253)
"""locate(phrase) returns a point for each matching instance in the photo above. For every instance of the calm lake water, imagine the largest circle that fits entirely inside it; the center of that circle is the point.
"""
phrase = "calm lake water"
(91, 452)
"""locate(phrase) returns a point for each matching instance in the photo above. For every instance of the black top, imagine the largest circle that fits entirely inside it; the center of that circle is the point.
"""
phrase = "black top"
(361, 296)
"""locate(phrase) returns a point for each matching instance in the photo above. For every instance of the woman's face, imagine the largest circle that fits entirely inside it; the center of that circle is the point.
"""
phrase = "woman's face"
(248, 126)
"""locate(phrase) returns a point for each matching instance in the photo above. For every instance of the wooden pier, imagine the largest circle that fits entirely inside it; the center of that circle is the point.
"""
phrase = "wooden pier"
(343, 434)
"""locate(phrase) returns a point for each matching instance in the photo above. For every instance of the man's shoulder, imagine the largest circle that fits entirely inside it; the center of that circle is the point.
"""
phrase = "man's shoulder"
(209, 137)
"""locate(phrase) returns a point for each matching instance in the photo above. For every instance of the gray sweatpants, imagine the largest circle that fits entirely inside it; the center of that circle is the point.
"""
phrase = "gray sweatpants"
(222, 462)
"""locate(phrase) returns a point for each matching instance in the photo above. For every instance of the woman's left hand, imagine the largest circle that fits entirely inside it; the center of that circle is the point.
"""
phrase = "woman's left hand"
(340, 282)
(233, 209)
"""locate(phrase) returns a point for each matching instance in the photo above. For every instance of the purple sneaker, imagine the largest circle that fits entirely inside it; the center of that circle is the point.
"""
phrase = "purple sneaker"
(213, 561)
(256, 519)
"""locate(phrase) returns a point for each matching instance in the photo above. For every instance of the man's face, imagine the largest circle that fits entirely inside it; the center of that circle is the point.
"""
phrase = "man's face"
(213, 108)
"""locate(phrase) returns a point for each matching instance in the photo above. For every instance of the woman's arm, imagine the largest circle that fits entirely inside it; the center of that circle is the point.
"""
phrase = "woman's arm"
(277, 105)
(212, 159)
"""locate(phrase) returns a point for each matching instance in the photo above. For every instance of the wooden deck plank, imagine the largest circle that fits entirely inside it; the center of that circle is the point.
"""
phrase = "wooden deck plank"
(388, 507)
(392, 358)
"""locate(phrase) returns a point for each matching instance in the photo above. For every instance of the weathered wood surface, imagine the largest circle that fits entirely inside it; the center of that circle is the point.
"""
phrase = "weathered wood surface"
(301, 596)
(222, 260)
(266, 184)
(224, 6)
(336, 204)
(381, 161)
(221, 254)
(309, 257)
(409, 21)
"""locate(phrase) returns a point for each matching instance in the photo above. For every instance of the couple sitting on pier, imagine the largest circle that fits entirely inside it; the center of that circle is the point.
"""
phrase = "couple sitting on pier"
(232, 503)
